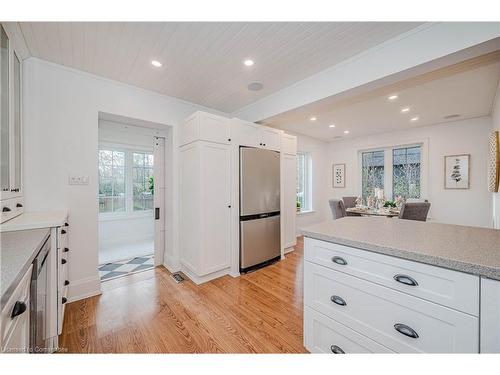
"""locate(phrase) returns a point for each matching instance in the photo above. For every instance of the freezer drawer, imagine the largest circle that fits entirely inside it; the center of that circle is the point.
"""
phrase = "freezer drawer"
(260, 241)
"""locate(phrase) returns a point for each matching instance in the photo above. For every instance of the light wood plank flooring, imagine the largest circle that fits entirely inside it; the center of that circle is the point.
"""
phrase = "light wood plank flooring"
(148, 312)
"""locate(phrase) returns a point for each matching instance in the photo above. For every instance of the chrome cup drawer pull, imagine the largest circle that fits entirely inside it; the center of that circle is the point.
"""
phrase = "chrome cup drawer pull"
(336, 349)
(405, 279)
(338, 300)
(339, 260)
(405, 330)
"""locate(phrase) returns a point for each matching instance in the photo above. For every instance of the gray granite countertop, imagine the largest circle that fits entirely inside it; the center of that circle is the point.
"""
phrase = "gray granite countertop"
(18, 249)
(468, 249)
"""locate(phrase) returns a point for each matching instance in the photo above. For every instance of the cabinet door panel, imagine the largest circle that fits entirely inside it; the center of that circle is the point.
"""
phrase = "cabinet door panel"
(16, 177)
(4, 112)
(215, 181)
(214, 128)
(244, 133)
(271, 138)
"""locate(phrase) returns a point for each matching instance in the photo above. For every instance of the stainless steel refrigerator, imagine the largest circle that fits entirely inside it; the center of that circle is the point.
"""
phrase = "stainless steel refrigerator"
(259, 207)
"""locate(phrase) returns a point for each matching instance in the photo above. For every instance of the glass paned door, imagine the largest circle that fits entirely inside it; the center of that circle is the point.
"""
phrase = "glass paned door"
(17, 123)
(4, 111)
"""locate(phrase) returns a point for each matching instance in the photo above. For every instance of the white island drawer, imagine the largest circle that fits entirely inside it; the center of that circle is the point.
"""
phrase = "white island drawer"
(449, 288)
(324, 335)
(401, 322)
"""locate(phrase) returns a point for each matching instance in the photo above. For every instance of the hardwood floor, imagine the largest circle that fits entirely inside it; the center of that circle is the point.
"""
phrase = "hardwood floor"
(149, 312)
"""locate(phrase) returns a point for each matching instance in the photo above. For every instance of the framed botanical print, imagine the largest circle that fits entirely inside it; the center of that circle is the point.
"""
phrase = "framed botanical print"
(457, 171)
(338, 175)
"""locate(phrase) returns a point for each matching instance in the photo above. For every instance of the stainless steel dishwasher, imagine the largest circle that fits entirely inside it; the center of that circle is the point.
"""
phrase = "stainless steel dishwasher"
(38, 290)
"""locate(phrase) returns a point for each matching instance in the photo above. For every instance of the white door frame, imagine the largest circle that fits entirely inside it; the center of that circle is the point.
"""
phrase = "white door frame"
(159, 199)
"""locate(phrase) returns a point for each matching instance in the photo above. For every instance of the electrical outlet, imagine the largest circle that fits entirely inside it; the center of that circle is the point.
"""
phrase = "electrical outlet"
(78, 180)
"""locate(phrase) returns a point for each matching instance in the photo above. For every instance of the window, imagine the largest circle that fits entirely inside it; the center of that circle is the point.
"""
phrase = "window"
(397, 168)
(304, 196)
(143, 181)
(125, 181)
(406, 172)
(111, 181)
(372, 172)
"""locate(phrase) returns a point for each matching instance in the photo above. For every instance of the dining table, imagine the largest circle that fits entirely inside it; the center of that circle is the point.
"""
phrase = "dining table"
(367, 211)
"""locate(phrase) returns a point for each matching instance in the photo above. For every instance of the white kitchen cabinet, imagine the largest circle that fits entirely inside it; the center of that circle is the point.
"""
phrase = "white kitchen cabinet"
(270, 138)
(202, 126)
(289, 199)
(11, 129)
(490, 316)
(15, 318)
(351, 295)
(244, 133)
(205, 208)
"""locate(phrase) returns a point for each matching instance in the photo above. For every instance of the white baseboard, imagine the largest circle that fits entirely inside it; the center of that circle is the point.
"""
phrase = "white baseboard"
(203, 279)
(84, 288)
(170, 263)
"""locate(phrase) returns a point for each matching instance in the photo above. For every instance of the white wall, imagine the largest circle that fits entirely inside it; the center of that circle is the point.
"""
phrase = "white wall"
(318, 151)
(496, 126)
(465, 207)
(60, 115)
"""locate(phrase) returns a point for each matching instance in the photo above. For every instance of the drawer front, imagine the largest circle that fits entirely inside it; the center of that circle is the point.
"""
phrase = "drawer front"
(449, 288)
(11, 208)
(324, 335)
(376, 311)
(22, 295)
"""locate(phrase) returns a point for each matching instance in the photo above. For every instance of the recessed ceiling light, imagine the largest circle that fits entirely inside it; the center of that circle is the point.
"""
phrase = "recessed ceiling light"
(406, 109)
(331, 126)
(392, 97)
(346, 131)
(313, 119)
(248, 62)
(414, 119)
(156, 63)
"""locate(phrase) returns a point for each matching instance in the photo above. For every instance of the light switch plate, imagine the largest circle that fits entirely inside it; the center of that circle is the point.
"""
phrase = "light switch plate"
(78, 180)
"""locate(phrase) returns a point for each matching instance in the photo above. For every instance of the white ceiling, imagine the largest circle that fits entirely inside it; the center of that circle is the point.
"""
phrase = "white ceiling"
(468, 90)
(202, 62)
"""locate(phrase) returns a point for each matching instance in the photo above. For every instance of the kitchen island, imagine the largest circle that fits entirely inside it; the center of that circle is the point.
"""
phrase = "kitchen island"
(386, 285)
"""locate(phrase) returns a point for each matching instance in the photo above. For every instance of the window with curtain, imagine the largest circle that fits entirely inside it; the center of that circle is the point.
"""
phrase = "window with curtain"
(304, 196)
(406, 172)
(143, 181)
(111, 181)
(126, 181)
(372, 171)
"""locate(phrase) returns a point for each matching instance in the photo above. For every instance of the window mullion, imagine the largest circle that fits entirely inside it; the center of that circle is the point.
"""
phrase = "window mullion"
(388, 178)
(128, 181)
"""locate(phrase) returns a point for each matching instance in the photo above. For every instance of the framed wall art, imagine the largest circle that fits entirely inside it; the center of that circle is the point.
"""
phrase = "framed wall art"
(338, 174)
(457, 171)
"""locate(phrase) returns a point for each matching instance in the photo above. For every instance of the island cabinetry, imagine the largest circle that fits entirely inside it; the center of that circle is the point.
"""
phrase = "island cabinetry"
(490, 316)
(360, 301)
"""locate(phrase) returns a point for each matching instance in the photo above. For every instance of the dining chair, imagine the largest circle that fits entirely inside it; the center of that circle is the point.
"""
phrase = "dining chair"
(415, 211)
(350, 202)
(338, 208)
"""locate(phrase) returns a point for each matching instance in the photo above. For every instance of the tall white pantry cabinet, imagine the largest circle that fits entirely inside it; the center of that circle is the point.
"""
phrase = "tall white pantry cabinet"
(209, 191)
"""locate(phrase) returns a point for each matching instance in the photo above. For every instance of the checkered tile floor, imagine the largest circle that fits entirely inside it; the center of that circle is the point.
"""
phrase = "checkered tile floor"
(113, 270)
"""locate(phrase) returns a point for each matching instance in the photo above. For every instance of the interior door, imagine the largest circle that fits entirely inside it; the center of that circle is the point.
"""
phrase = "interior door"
(159, 198)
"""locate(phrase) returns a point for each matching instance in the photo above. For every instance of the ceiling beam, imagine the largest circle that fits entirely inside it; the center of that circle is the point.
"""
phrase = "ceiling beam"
(416, 51)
